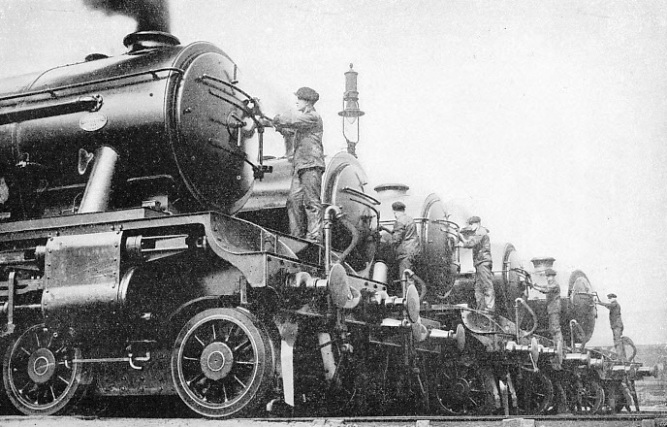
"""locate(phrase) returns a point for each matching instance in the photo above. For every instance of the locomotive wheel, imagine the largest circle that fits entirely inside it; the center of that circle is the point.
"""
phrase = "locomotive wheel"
(586, 395)
(39, 375)
(536, 393)
(222, 363)
(461, 391)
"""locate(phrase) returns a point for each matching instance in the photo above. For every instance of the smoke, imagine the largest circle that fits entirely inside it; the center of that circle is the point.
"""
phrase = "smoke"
(151, 15)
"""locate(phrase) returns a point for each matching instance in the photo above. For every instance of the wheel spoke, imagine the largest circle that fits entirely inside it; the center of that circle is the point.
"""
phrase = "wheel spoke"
(22, 389)
(196, 378)
(242, 346)
(229, 333)
(199, 340)
(239, 381)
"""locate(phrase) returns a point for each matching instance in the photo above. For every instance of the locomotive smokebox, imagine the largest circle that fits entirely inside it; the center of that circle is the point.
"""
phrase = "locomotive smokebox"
(578, 311)
(167, 111)
(435, 263)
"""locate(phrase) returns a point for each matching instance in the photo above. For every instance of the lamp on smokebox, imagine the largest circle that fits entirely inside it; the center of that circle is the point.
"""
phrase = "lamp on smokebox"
(351, 111)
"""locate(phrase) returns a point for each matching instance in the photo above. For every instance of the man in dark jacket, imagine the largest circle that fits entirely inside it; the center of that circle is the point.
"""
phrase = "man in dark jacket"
(477, 237)
(552, 292)
(615, 322)
(304, 204)
(404, 239)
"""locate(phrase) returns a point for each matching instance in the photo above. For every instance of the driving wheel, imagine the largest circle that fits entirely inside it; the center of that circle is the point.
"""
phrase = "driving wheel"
(460, 390)
(586, 395)
(536, 393)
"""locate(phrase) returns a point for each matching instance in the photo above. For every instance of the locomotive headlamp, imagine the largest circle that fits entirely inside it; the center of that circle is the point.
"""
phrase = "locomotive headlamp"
(351, 111)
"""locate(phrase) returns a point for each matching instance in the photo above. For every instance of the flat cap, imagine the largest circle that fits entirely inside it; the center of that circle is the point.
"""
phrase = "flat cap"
(398, 206)
(611, 296)
(549, 272)
(474, 219)
(307, 94)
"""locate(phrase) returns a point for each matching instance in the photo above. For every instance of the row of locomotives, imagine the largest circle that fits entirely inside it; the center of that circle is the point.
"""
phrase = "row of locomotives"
(488, 366)
(128, 266)
(511, 360)
(585, 380)
(144, 250)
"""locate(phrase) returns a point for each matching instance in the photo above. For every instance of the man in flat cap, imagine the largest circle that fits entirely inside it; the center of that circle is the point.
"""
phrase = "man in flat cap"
(615, 322)
(477, 237)
(304, 205)
(552, 292)
(404, 239)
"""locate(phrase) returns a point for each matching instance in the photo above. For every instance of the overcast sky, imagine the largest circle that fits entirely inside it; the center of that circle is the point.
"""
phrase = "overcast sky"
(548, 119)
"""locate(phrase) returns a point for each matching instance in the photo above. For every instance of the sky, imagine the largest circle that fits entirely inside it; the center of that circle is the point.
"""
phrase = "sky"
(547, 119)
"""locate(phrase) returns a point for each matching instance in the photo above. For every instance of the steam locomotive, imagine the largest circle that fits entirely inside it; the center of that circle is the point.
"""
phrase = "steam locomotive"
(144, 250)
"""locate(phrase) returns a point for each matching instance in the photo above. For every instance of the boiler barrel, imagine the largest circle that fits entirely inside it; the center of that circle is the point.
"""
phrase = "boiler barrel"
(170, 112)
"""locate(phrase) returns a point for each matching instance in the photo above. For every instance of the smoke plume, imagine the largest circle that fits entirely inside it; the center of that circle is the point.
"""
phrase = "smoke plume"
(151, 15)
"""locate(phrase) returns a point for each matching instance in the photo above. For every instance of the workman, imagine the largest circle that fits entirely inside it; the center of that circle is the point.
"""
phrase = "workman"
(615, 322)
(304, 205)
(477, 237)
(552, 292)
(404, 239)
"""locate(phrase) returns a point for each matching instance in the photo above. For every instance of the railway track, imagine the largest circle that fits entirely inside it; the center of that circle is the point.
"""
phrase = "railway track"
(621, 420)
(168, 411)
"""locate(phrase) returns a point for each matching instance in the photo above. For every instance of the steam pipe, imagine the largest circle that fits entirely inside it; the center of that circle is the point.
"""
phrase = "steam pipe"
(517, 303)
(328, 219)
(91, 83)
(98, 189)
(422, 286)
(355, 238)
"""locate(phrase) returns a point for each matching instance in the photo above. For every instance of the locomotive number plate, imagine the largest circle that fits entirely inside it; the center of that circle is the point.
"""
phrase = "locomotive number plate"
(92, 122)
